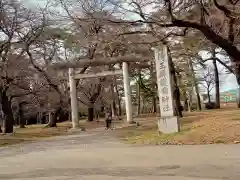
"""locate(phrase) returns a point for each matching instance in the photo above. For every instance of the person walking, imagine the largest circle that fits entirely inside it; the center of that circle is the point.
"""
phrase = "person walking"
(108, 120)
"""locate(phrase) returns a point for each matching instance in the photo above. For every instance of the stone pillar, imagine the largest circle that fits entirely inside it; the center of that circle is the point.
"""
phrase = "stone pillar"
(127, 92)
(73, 96)
(168, 123)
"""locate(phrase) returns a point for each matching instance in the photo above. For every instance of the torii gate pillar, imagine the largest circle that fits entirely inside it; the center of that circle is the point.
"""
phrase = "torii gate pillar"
(127, 92)
(73, 96)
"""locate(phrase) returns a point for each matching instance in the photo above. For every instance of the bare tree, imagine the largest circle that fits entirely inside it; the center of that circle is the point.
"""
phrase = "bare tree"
(217, 20)
(90, 91)
(208, 82)
(15, 69)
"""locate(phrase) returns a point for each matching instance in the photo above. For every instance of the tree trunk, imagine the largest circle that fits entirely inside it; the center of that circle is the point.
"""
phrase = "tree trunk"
(238, 97)
(114, 108)
(119, 107)
(154, 86)
(209, 97)
(189, 97)
(185, 107)
(96, 114)
(90, 113)
(237, 74)
(69, 116)
(184, 93)
(176, 91)
(189, 105)
(154, 101)
(118, 98)
(53, 121)
(217, 85)
(143, 105)
(178, 102)
(22, 121)
(63, 116)
(40, 117)
(8, 121)
(8, 114)
(102, 109)
(199, 108)
(138, 94)
(1, 123)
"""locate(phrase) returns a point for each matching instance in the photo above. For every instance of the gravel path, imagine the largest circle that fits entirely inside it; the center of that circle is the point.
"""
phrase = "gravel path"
(98, 155)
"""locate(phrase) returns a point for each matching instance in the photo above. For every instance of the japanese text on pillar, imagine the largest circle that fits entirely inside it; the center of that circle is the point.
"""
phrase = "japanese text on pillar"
(164, 87)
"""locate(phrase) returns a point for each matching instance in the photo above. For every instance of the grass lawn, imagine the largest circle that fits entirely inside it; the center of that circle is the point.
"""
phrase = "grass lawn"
(38, 132)
(32, 133)
(207, 127)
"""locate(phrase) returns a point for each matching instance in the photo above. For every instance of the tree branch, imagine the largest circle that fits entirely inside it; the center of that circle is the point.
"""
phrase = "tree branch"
(212, 36)
(222, 63)
(82, 102)
(222, 8)
(23, 94)
(51, 84)
(207, 31)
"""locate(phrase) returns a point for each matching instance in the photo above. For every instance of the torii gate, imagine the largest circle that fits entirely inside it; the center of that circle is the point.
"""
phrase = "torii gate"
(168, 122)
(73, 92)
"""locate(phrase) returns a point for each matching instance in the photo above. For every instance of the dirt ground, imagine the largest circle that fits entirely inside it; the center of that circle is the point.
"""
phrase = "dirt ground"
(38, 132)
(207, 127)
(96, 154)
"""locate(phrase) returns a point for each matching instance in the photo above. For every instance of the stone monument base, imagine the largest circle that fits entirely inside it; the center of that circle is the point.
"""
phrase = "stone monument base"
(169, 124)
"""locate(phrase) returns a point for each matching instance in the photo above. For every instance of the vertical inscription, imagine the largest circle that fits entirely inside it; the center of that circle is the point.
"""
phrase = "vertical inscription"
(164, 85)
